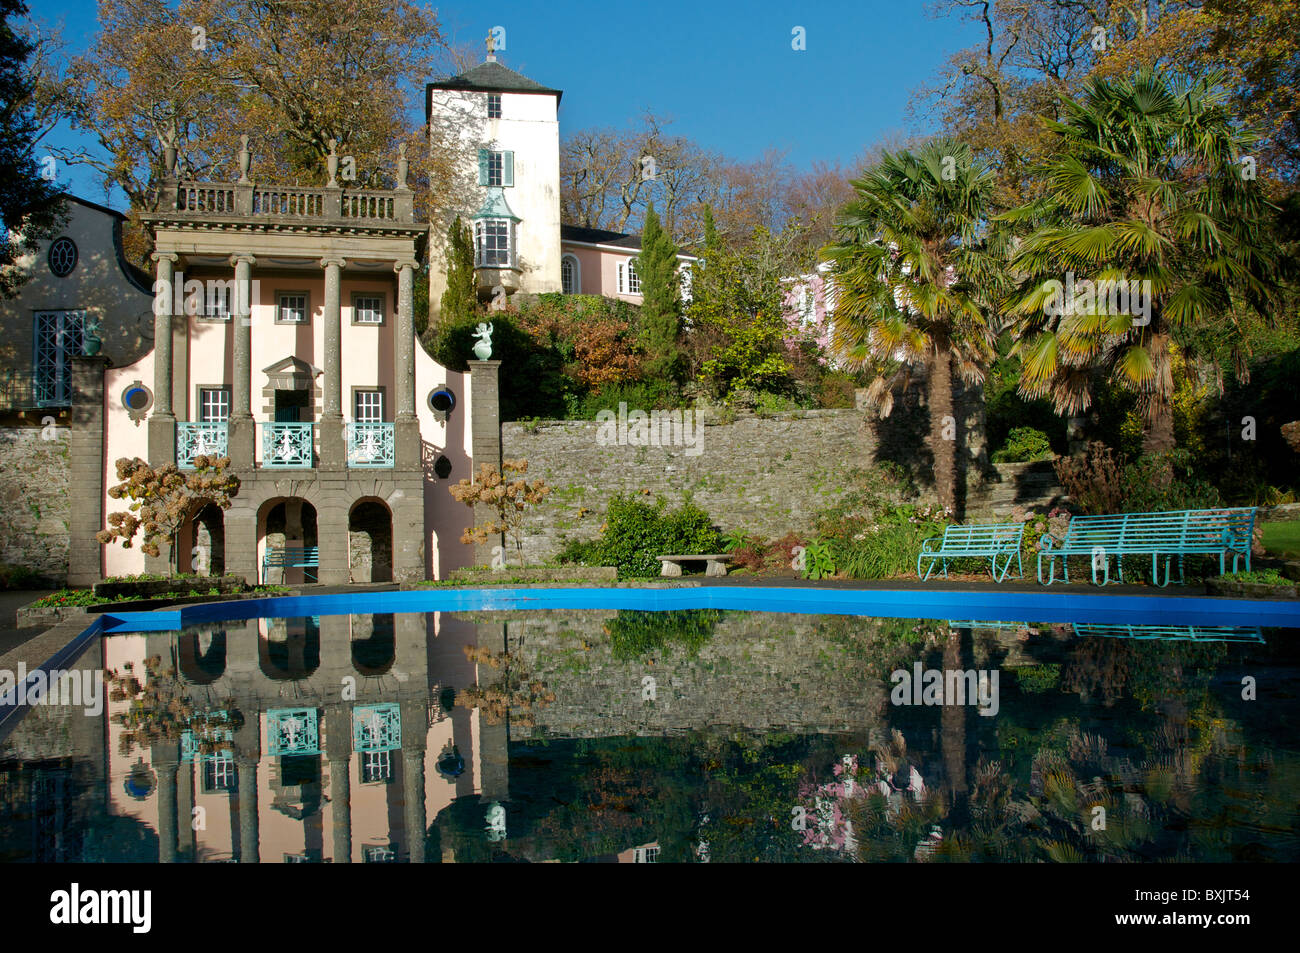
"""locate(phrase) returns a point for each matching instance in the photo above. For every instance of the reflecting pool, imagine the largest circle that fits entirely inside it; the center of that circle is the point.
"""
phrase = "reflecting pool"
(686, 735)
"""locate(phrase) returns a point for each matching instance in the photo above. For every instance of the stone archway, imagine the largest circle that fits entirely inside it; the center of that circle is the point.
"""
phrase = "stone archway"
(288, 522)
(207, 537)
(370, 542)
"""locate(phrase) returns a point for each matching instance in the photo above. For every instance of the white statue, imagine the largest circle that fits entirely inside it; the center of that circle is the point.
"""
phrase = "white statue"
(483, 339)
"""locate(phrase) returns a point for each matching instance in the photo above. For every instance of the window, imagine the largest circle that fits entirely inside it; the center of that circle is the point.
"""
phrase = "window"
(570, 275)
(63, 257)
(368, 309)
(494, 105)
(380, 855)
(218, 300)
(376, 766)
(629, 282)
(496, 168)
(492, 243)
(219, 773)
(645, 855)
(214, 405)
(293, 308)
(58, 339)
(368, 406)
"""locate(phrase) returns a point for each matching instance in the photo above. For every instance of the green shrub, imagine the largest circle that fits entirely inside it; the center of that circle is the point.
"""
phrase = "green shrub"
(635, 633)
(18, 577)
(637, 533)
(638, 395)
(819, 563)
(1263, 577)
(1037, 679)
(1024, 444)
(582, 552)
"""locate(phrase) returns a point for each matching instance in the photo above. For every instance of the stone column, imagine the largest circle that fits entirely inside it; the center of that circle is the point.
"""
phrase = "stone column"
(407, 429)
(185, 808)
(165, 763)
(87, 463)
(493, 740)
(241, 430)
(415, 727)
(248, 752)
(248, 838)
(162, 422)
(333, 445)
(338, 750)
(485, 439)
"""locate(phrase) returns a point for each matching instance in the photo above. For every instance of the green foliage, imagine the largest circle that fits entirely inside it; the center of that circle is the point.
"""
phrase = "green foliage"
(737, 319)
(636, 533)
(1023, 445)
(1282, 538)
(1099, 482)
(641, 395)
(460, 300)
(18, 577)
(819, 563)
(634, 634)
(1264, 577)
(661, 320)
(1037, 679)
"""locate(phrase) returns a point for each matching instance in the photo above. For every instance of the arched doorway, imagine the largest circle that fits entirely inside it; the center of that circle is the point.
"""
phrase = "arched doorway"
(202, 654)
(203, 543)
(289, 649)
(370, 542)
(288, 524)
(374, 643)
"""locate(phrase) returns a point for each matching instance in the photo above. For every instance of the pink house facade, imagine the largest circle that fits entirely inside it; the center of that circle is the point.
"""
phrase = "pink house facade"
(594, 261)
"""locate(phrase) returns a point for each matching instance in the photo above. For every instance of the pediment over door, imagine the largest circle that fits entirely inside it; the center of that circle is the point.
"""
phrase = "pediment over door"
(291, 373)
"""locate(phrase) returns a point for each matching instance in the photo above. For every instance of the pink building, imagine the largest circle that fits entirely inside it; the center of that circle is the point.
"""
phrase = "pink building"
(594, 261)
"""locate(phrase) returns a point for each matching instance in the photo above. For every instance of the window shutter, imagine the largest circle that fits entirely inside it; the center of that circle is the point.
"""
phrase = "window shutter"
(482, 167)
(507, 168)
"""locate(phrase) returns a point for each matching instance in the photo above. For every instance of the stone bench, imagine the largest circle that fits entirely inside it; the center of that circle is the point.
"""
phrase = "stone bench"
(714, 565)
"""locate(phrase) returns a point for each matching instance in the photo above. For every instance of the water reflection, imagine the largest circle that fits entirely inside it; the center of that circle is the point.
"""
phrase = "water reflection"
(651, 737)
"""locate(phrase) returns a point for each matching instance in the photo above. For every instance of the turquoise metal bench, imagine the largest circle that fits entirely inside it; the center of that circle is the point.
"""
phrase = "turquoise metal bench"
(1179, 533)
(999, 541)
(290, 557)
(1177, 633)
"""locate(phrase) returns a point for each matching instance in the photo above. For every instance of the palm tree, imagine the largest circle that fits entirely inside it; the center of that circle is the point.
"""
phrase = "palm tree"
(911, 274)
(1145, 187)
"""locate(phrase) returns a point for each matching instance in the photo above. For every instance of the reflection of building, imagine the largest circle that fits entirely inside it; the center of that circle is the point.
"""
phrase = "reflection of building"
(336, 758)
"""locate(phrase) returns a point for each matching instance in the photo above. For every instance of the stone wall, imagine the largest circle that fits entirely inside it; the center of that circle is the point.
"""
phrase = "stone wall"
(34, 502)
(762, 475)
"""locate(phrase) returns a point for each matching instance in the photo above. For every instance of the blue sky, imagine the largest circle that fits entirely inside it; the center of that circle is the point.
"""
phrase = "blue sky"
(725, 73)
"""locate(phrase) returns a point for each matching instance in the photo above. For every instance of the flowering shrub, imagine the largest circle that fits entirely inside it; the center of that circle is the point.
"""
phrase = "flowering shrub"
(163, 497)
(509, 497)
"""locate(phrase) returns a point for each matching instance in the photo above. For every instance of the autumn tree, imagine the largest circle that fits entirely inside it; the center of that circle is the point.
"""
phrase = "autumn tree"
(292, 74)
(505, 494)
(163, 498)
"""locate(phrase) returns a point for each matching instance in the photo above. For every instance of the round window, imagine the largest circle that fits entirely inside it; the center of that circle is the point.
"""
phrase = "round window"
(136, 398)
(442, 401)
(442, 467)
(63, 257)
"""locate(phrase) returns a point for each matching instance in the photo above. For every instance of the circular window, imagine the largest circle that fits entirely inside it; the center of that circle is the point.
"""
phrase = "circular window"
(137, 399)
(442, 401)
(63, 257)
(442, 467)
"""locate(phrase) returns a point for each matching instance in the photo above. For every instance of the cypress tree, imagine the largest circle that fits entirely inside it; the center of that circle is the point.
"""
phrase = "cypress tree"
(460, 300)
(661, 319)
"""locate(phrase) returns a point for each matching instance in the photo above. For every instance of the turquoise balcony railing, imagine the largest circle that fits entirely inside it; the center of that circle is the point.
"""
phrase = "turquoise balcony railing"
(376, 728)
(370, 445)
(194, 440)
(286, 445)
(292, 731)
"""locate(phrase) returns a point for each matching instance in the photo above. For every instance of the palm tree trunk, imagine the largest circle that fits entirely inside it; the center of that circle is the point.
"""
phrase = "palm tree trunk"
(1158, 425)
(943, 428)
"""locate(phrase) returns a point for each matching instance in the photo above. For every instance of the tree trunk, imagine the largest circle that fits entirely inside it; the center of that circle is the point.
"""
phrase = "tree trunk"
(943, 428)
(1158, 422)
